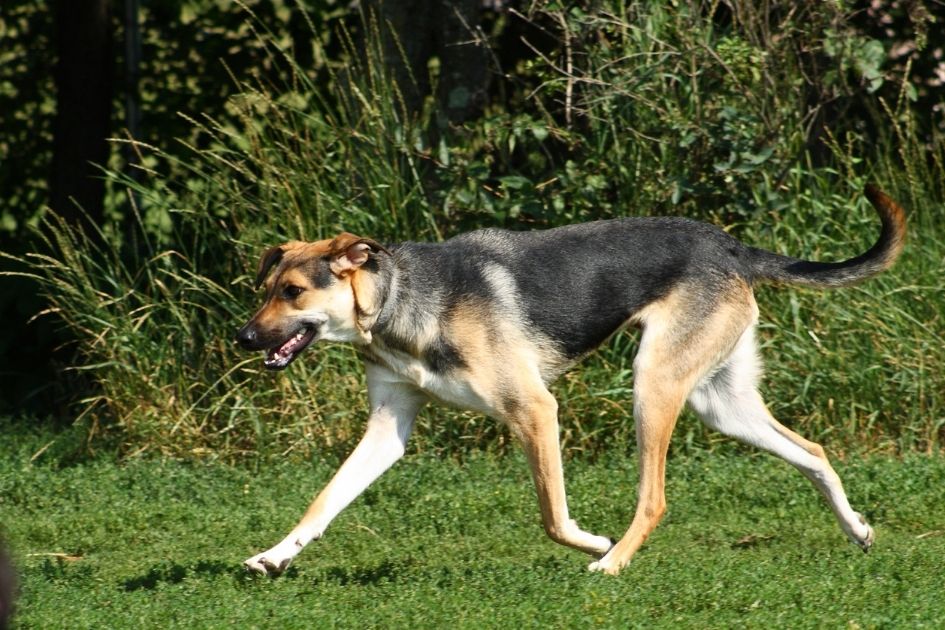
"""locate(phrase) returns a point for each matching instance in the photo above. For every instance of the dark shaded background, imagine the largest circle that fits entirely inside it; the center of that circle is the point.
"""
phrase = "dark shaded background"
(74, 73)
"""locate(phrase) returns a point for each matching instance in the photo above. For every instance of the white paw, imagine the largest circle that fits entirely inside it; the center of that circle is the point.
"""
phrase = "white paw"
(866, 540)
(605, 565)
(602, 566)
(264, 564)
(274, 561)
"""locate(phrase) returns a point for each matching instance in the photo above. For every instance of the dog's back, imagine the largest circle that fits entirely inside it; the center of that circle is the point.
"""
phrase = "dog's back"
(577, 284)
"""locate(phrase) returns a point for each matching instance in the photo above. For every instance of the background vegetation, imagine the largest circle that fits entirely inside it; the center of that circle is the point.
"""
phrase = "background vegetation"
(269, 120)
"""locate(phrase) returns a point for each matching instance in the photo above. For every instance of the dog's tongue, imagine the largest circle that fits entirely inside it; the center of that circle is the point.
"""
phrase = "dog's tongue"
(278, 358)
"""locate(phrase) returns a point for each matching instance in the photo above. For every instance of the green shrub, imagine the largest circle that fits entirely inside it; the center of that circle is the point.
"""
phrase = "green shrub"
(662, 111)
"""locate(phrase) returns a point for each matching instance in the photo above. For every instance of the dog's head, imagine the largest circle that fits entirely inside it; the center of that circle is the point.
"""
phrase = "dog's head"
(313, 291)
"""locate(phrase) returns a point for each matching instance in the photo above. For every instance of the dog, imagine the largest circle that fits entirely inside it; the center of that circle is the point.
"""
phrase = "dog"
(487, 320)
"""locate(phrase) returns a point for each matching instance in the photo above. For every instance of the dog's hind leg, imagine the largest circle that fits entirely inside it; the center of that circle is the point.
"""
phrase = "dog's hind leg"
(728, 401)
(684, 335)
(657, 402)
(533, 418)
(394, 406)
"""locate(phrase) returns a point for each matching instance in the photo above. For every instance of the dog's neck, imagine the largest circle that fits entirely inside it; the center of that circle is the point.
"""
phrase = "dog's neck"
(404, 317)
(387, 289)
(376, 294)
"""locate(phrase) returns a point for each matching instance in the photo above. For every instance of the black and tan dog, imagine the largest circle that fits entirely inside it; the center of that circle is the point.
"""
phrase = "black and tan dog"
(486, 320)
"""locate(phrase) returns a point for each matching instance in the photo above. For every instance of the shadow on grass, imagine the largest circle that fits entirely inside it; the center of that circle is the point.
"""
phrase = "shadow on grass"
(386, 571)
(173, 573)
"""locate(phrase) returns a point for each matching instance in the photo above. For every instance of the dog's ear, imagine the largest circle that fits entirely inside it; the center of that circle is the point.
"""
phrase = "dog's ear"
(348, 252)
(270, 257)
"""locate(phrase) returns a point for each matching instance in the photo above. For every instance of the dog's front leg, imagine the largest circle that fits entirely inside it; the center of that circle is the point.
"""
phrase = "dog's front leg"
(536, 424)
(394, 406)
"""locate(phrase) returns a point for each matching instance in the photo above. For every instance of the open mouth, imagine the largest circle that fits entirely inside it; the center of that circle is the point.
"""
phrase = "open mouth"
(281, 356)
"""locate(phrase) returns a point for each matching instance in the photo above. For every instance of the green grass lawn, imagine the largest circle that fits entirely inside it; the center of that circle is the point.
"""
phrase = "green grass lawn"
(746, 542)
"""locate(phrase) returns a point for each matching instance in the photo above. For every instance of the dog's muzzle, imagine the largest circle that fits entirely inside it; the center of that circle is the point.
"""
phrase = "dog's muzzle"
(248, 338)
(280, 352)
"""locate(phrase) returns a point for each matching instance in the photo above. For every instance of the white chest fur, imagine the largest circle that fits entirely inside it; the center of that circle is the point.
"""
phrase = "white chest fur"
(452, 388)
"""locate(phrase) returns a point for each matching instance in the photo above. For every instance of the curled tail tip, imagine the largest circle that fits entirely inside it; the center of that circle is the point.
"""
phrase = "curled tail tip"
(894, 217)
(893, 237)
(876, 196)
(879, 257)
(882, 201)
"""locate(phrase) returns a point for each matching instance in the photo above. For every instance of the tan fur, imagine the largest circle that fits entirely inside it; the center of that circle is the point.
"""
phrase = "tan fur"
(469, 330)
(677, 348)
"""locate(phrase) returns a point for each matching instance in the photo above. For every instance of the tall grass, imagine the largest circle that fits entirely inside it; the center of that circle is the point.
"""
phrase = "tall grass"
(651, 118)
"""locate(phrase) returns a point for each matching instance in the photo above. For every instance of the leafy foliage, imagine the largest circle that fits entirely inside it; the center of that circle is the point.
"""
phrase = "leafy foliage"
(26, 109)
(710, 111)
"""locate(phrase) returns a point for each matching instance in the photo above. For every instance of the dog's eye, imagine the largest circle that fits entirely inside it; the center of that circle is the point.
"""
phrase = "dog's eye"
(290, 292)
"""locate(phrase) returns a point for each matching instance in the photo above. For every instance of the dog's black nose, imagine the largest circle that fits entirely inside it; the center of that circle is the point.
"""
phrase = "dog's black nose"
(246, 337)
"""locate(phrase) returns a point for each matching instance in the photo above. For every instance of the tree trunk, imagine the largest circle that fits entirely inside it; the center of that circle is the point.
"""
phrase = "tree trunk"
(83, 109)
(464, 59)
(413, 31)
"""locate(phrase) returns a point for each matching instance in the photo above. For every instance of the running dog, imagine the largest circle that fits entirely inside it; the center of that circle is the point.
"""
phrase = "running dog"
(487, 320)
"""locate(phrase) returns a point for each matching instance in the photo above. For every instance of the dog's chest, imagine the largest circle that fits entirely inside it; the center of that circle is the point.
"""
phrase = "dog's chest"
(451, 387)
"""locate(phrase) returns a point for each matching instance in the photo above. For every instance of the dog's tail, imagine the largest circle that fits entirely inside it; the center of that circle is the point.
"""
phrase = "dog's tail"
(773, 267)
